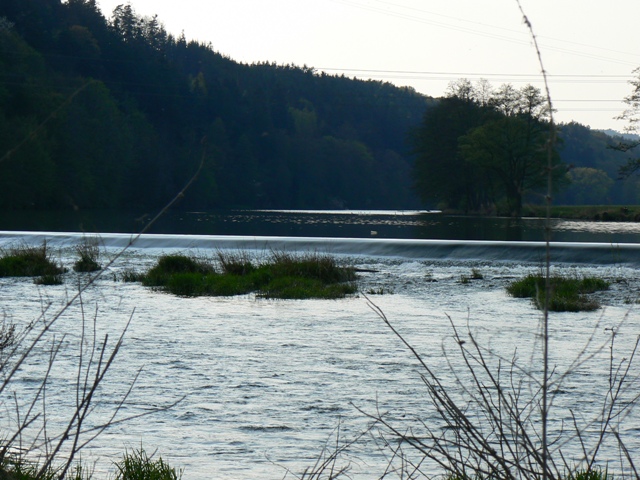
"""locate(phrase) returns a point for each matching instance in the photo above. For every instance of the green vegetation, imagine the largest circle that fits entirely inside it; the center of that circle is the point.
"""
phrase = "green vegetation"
(49, 280)
(88, 253)
(592, 474)
(494, 139)
(277, 135)
(130, 275)
(568, 294)
(475, 275)
(18, 469)
(284, 276)
(607, 213)
(137, 465)
(28, 262)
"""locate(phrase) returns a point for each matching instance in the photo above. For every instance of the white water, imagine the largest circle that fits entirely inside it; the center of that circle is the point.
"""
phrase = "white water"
(266, 383)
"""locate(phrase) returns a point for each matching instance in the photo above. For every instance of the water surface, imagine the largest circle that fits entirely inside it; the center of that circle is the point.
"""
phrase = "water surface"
(327, 224)
(263, 385)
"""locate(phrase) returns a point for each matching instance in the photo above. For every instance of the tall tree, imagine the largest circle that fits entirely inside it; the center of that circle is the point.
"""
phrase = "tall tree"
(480, 146)
(443, 177)
(632, 116)
(511, 151)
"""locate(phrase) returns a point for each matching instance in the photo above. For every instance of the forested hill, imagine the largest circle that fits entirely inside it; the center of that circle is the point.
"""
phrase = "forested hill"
(114, 112)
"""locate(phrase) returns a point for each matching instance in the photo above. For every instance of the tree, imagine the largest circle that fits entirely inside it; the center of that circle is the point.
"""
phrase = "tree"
(632, 116)
(589, 186)
(127, 23)
(512, 152)
(441, 175)
(480, 147)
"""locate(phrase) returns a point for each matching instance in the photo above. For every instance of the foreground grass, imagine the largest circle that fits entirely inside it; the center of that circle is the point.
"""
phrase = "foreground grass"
(134, 465)
(591, 474)
(137, 465)
(568, 294)
(283, 276)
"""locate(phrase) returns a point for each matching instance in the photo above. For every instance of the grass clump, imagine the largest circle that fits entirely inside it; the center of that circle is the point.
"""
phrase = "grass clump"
(49, 279)
(28, 262)
(298, 288)
(170, 266)
(137, 465)
(283, 276)
(590, 474)
(475, 275)
(88, 255)
(568, 294)
(130, 275)
(14, 467)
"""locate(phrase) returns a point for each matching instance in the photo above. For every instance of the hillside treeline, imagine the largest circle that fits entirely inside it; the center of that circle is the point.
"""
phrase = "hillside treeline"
(115, 112)
(118, 113)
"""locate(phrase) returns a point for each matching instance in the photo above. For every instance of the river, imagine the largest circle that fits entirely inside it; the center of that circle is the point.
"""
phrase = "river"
(262, 385)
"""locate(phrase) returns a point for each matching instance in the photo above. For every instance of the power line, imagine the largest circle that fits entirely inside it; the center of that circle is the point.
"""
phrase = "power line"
(448, 26)
(502, 77)
(471, 74)
(510, 30)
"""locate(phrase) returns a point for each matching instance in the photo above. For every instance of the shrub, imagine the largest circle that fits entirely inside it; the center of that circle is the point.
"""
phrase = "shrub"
(15, 467)
(476, 274)
(591, 474)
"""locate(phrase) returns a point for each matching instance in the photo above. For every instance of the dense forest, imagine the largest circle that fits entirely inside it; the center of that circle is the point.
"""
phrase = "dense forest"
(129, 111)
(115, 112)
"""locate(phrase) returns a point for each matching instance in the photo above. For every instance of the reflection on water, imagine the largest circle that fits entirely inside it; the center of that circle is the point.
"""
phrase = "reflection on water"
(338, 224)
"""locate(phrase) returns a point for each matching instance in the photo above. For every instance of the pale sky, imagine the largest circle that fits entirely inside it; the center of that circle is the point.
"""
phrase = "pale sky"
(589, 47)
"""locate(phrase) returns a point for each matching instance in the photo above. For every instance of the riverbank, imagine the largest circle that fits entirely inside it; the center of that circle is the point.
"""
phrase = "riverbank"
(605, 213)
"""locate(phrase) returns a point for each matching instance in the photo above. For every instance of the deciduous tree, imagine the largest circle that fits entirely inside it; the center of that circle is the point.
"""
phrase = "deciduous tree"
(632, 116)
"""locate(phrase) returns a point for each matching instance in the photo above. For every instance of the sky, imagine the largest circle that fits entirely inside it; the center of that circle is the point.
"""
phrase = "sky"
(589, 48)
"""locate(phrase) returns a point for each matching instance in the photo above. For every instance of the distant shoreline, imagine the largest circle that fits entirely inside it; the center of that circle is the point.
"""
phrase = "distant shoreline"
(596, 213)
(604, 213)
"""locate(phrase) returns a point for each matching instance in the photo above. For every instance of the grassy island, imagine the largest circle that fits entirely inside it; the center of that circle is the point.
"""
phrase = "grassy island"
(283, 276)
(568, 294)
(29, 262)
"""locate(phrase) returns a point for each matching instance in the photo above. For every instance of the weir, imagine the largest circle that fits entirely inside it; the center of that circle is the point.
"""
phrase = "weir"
(443, 250)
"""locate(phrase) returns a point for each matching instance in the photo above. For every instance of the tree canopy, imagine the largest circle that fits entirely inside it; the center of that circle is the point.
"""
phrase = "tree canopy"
(116, 112)
(631, 141)
(491, 152)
